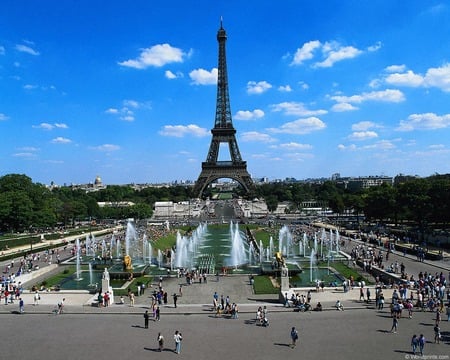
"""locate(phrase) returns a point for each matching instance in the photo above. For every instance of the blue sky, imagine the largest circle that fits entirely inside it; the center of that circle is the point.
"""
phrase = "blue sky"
(127, 89)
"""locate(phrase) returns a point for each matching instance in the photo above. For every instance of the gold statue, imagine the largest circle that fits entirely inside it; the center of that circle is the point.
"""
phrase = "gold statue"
(127, 262)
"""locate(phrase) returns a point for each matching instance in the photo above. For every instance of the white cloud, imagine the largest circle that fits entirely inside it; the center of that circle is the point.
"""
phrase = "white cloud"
(306, 52)
(295, 146)
(303, 85)
(380, 145)
(112, 111)
(183, 130)
(341, 107)
(170, 75)
(405, 79)
(388, 95)
(2, 50)
(256, 136)
(395, 68)
(375, 47)
(131, 103)
(30, 87)
(426, 121)
(285, 88)
(300, 126)
(351, 147)
(61, 140)
(439, 77)
(434, 77)
(27, 49)
(24, 155)
(260, 87)
(204, 77)
(61, 126)
(106, 147)
(249, 115)
(334, 52)
(296, 109)
(156, 56)
(331, 52)
(364, 125)
(362, 135)
(3, 117)
(44, 126)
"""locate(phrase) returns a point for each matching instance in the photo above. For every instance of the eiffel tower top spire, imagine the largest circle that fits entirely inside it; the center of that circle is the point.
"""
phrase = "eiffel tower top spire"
(223, 110)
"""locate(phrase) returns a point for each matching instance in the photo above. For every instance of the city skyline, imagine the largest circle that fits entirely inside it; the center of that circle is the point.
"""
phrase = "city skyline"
(128, 91)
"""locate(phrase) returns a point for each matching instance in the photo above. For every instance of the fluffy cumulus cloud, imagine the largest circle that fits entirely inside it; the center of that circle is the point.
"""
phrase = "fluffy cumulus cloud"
(343, 106)
(388, 95)
(171, 75)
(259, 87)
(256, 136)
(300, 126)
(249, 115)
(296, 109)
(156, 56)
(293, 146)
(47, 126)
(285, 88)
(61, 140)
(331, 52)
(204, 77)
(426, 121)
(27, 49)
(438, 77)
(363, 126)
(183, 130)
(362, 135)
(126, 112)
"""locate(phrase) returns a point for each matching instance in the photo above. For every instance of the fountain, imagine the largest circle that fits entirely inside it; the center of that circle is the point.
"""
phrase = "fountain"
(78, 262)
(312, 262)
(238, 255)
(285, 241)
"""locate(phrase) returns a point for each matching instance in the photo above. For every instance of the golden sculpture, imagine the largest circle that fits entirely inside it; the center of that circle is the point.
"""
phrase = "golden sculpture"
(127, 262)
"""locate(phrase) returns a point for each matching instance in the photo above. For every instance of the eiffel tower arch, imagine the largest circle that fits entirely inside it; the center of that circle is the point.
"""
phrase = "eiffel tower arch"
(223, 133)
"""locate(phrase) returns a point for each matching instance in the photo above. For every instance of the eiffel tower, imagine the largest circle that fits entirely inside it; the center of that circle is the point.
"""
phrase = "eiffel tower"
(223, 132)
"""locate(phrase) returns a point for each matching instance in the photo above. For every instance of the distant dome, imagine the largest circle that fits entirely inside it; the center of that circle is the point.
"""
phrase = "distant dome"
(98, 180)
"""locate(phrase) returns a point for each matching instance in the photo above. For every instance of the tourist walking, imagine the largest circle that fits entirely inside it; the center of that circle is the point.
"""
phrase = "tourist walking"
(421, 343)
(21, 306)
(160, 342)
(158, 314)
(394, 327)
(178, 338)
(36, 298)
(175, 298)
(294, 337)
(414, 343)
(437, 334)
(146, 319)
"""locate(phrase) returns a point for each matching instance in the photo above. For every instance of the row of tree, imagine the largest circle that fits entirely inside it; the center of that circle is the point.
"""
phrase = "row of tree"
(25, 205)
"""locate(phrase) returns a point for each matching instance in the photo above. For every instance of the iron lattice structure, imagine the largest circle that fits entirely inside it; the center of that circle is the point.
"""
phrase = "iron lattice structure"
(223, 132)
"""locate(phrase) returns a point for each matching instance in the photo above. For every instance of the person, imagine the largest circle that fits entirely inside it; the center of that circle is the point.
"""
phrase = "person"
(294, 337)
(414, 343)
(157, 314)
(175, 298)
(21, 306)
(160, 342)
(448, 312)
(437, 333)
(394, 324)
(318, 307)
(146, 319)
(36, 298)
(131, 299)
(178, 338)
(421, 343)
(339, 306)
(61, 306)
